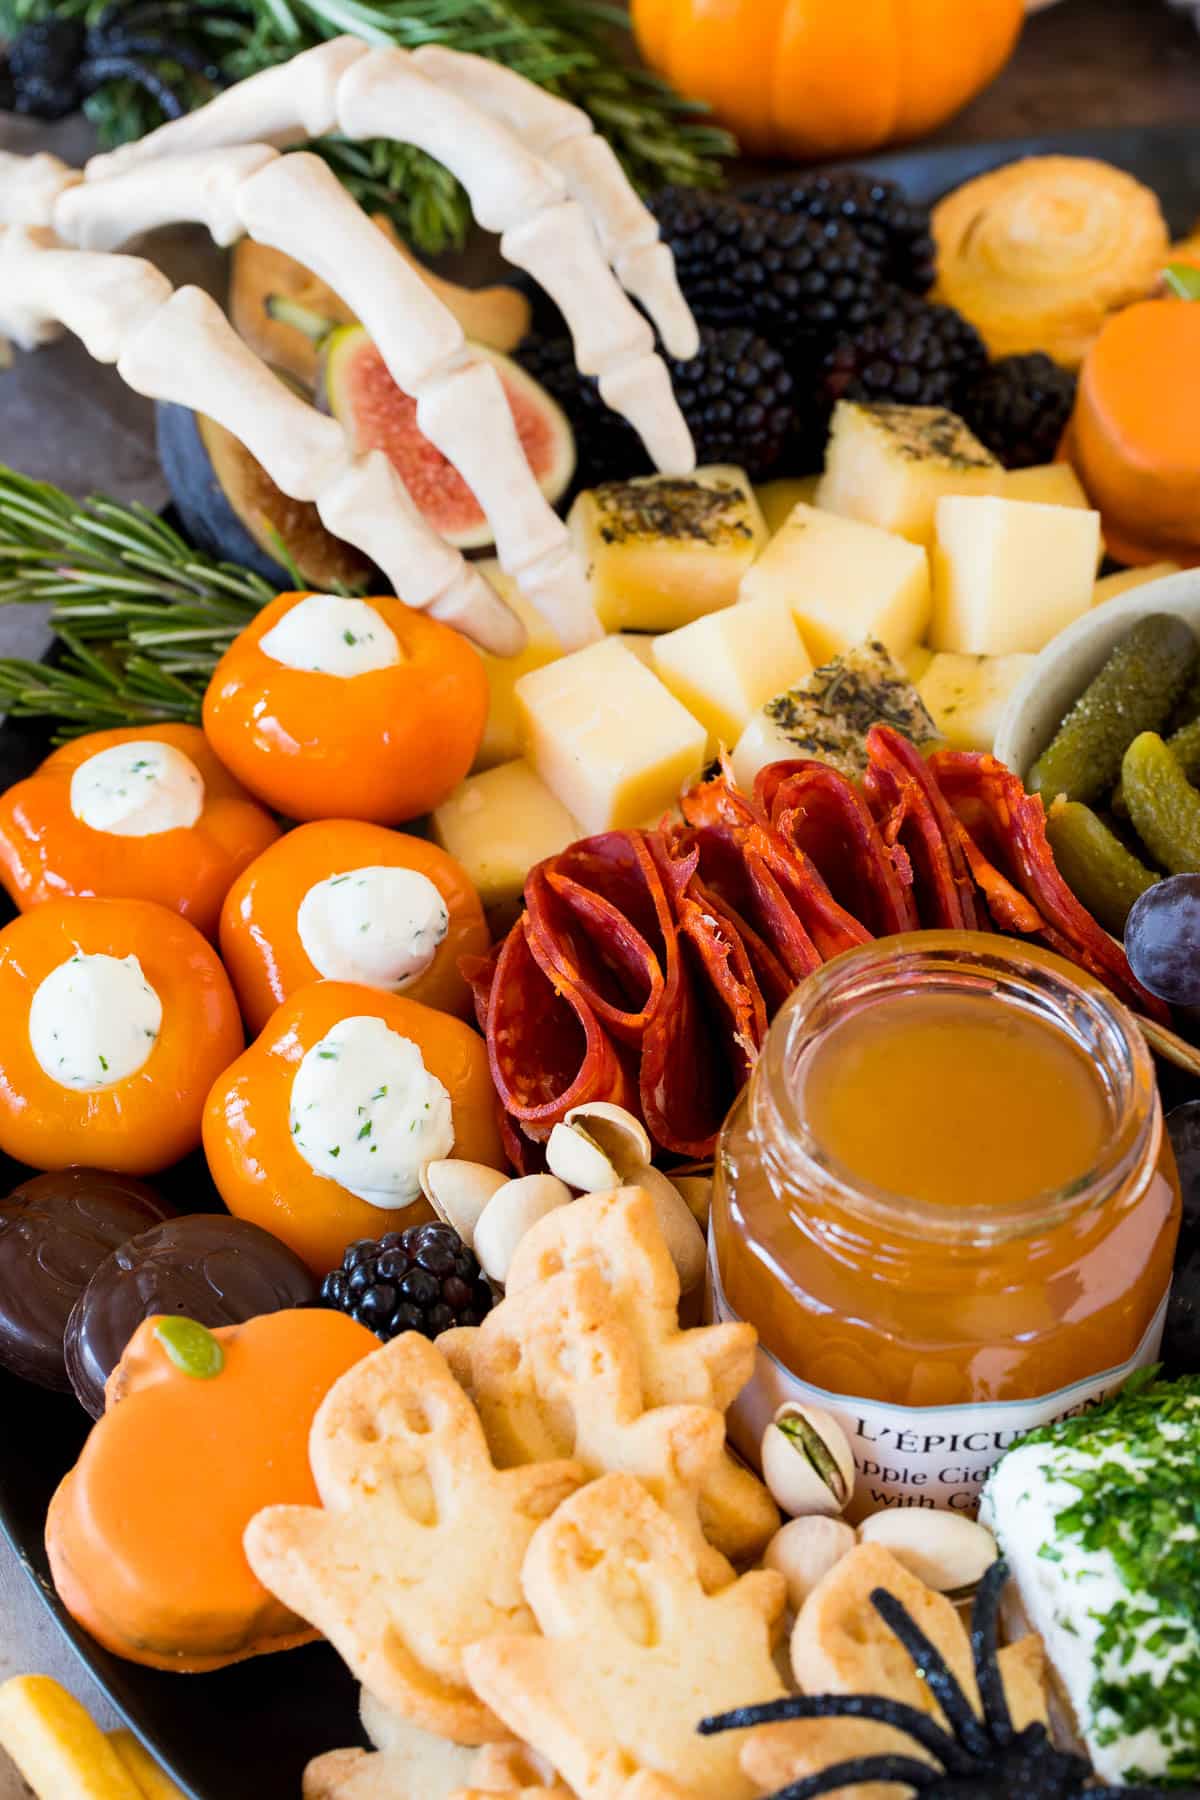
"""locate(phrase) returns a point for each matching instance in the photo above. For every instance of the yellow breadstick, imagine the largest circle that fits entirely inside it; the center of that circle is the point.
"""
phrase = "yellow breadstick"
(61, 1752)
(151, 1780)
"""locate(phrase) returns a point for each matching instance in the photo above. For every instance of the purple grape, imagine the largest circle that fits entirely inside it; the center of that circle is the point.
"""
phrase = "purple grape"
(1181, 1342)
(1162, 939)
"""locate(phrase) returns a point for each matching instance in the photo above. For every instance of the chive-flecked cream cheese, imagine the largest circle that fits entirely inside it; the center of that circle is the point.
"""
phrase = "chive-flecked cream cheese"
(93, 1021)
(324, 634)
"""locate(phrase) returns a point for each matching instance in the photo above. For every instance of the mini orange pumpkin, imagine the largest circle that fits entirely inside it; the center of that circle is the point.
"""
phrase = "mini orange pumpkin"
(202, 1430)
(118, 1018)
(290, 1130)
(814, 78)
(284, 899)
(384, 744)
(47, 851)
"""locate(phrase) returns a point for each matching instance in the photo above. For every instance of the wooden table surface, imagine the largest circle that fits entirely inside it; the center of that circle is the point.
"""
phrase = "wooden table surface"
(1082, 62)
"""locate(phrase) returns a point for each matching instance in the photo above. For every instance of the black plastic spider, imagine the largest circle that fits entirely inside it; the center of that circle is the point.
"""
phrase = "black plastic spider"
(984, 1759)
(53, 64)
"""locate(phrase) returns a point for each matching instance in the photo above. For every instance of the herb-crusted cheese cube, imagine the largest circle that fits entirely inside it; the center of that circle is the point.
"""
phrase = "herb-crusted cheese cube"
(501, 735)
(829, 715)
(724, 667)
(1009, 574)
(845, 581)
(1096, 1518)
(606, 737)
(777, 498)
(889, 465)
(663, 550)
(498, 825)
(966, 695)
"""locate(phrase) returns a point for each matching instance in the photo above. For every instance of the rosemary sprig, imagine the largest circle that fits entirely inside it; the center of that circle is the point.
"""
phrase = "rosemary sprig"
(140, 617)
(576, 48)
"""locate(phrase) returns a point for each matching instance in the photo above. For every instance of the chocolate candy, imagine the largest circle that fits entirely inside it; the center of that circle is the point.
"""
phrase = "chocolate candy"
(55, 1231)
(207, 1267)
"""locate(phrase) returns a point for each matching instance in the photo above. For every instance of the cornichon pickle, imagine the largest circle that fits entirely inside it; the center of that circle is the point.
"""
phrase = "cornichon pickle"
(1095, 864)
(1164, 808)
(1184, 746)
(1134, 692)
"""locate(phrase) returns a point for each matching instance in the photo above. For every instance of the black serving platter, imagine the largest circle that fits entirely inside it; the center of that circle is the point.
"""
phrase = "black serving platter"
(246, 1733)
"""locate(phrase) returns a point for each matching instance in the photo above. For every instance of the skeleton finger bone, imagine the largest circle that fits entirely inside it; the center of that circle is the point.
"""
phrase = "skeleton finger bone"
(30, 187)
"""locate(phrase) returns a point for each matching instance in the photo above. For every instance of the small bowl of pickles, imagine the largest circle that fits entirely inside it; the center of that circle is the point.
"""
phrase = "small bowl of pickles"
(1106, 727)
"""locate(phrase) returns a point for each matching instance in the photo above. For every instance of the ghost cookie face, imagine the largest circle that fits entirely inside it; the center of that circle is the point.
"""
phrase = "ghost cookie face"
(319, 1131)
(146, 1553)
(348, 901)
(144, 813)
(118, 1018)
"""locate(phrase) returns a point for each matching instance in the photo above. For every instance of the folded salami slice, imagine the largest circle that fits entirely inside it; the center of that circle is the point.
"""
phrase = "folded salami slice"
(1011, 824)
(823, 816)
(912, 813)
(579, 936)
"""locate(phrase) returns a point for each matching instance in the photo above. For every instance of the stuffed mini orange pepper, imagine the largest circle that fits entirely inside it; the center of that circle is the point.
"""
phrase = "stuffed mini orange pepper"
(117, 1019)
(351, 902)
(330, 708)
(143, 813)
(318, 1132)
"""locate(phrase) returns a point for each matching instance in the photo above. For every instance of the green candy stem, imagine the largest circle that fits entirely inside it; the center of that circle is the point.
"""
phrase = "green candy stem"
(1183, 279)
(191, 1347)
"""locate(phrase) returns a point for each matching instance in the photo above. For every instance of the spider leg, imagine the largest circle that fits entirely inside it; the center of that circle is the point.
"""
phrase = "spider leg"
(182, 54)
(893, 1771)
(565, 136)
(877, 1708)
(932, 1665)
(98, 69)
(984, 1621)
(180, 347)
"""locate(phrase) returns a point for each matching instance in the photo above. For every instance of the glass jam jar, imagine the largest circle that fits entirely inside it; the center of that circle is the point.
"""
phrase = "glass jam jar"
(947, 1203)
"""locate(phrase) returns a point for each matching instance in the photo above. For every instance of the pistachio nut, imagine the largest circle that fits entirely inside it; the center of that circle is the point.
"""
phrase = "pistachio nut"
(576, 1158)
(623, 1139)
(804, 1550)
(685, 1240)
(807, 1462)
(697, 1192)
(458, 1191)
(943, 1549)
(509, 1214)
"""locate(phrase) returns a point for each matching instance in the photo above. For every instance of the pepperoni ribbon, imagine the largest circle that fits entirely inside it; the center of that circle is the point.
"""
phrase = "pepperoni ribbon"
(912, 814)
(824, 818)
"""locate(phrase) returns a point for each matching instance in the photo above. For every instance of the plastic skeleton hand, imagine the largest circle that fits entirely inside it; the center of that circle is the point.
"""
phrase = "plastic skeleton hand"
(536, 173)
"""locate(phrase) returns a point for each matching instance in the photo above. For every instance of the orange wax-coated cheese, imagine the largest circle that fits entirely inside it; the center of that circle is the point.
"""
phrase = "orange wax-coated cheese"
(144, 1535)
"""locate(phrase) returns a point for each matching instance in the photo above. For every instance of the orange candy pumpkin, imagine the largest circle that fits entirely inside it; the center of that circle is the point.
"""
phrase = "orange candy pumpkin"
(118, 1018)
(47, 851)
(318, 1085)
(1134, 438)
(385, 745)
(823, 78)
(144, 1535)
(278, 904)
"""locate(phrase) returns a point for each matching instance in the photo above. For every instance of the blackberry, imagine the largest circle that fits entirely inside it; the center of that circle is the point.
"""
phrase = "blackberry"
(1019, 408)
(892, 226)
(422, 1279)
(912, 354)
(736, 395)
(794, 280)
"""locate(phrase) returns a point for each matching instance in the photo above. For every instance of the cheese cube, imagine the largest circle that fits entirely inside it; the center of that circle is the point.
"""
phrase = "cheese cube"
(914, 662)
(1009, 574)
(640, 644)
(724, 667)
(498, 825)
(966, 695)
(1050, 484)
(889, 465)
(829, 715)
(606, 737)
(844, 581)
(1112, 586)
(664, 550)
(777, 498)
(501, 739)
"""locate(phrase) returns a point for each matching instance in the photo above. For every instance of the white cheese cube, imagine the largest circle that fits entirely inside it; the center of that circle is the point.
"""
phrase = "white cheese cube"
(777, 498)
(844, 581)
(606, 737)
(501, 738)
(498, 825)
(640, 644)
(1009, 574)
(889, 465)
(914, 662)
(724, 667)
(1110, 587)
(966, 695)
(1049, 484)
(663, 550)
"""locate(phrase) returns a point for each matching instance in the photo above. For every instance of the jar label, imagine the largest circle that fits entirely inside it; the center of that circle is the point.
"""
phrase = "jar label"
(916, 1455)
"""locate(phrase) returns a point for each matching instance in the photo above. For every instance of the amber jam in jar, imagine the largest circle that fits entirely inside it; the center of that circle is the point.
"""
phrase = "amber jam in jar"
(947, 1202)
